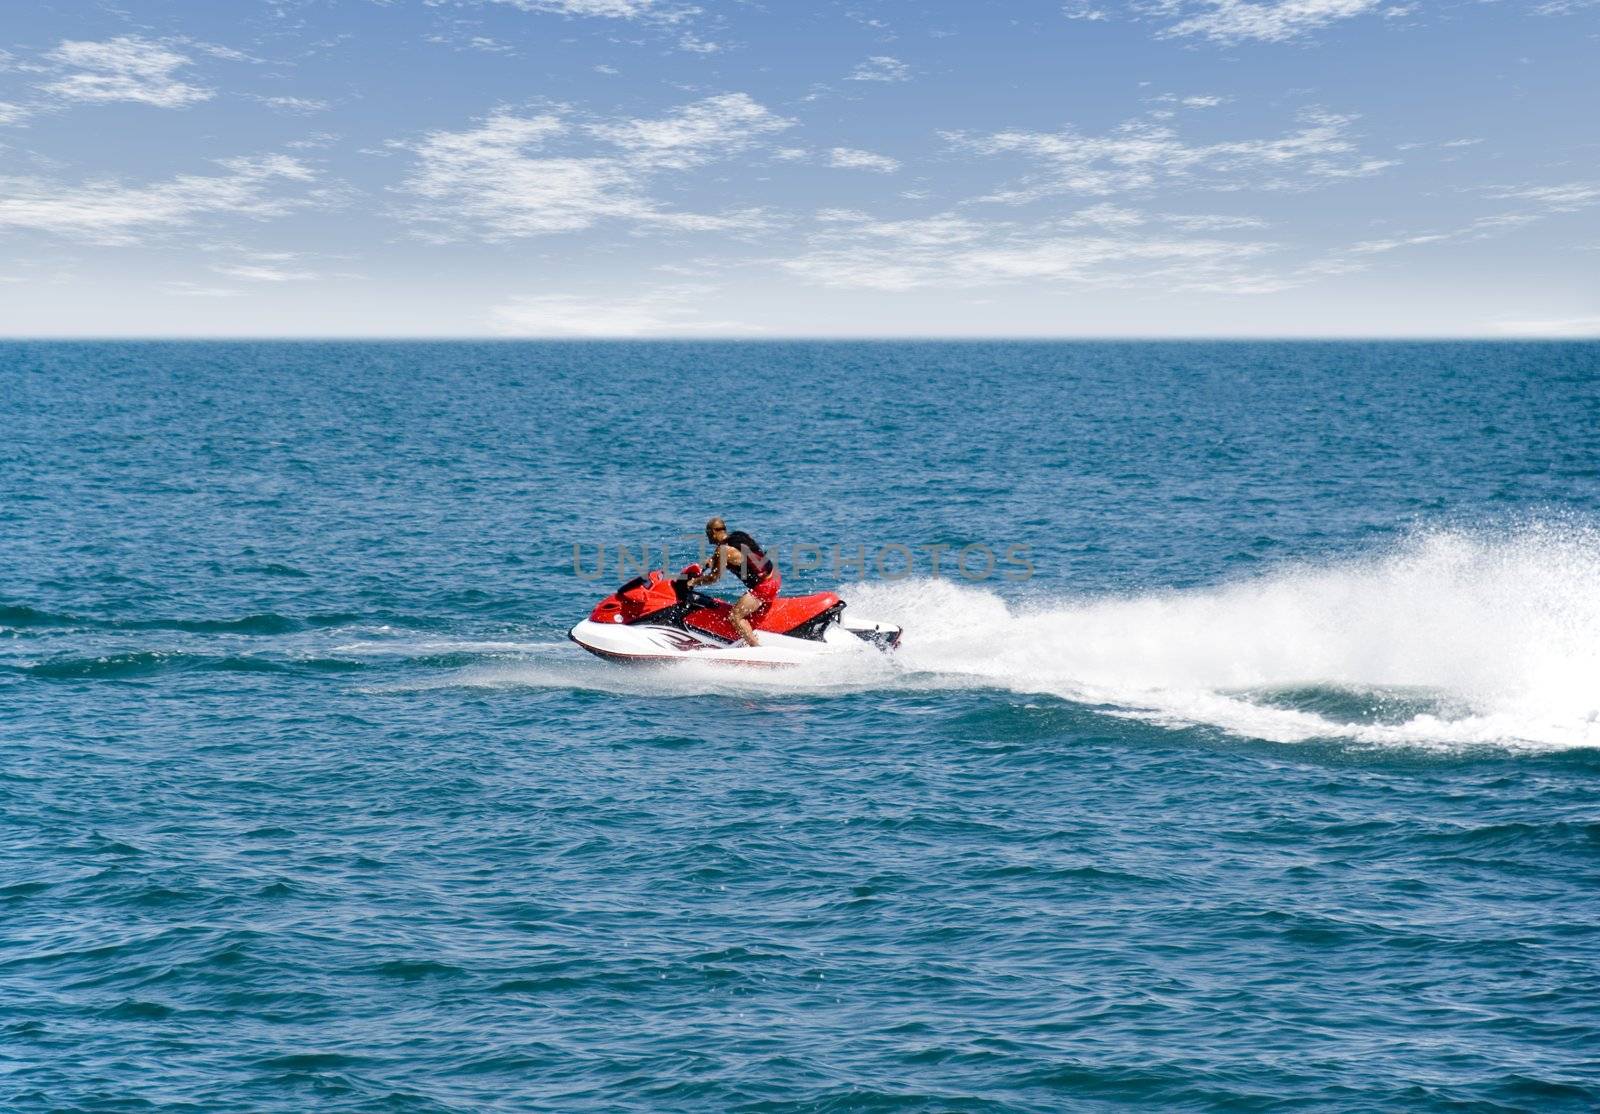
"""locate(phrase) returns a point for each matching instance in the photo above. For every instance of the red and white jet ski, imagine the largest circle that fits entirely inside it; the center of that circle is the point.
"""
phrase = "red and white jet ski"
(655, 618)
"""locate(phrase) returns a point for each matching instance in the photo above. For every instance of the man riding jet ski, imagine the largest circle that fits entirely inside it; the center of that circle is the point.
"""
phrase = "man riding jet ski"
(657, 618)
(754, 567)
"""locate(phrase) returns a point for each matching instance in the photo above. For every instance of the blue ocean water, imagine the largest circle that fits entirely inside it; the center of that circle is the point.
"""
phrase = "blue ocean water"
(1273, 787)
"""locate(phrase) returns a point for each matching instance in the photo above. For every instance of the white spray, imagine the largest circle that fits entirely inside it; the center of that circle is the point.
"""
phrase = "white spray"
(1504, 628)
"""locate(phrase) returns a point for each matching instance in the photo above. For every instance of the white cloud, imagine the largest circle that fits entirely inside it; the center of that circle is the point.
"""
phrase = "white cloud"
(670, 16)
(1479, 229)
(499, 181)
(657, 12)
(846, 158)
(272, 267)
(1140, 155)
(694, 133)
(952, 251)
(1085, 12)
(1232, 21)
(257, 273)
(483, 43)
(123, 69)
(1565, 7)
(11, 114)
(484, 177)
(1104, 215)
(1208, 222)
(608, 9)
(1566, 198)
(108, 212)
(1091, 258)
(304, 106)
(887, 255)
(313, 141)
(1543, 202)
(1194, 101)
(265, 272)
(697, 45)
(674, 311)
(226, 53)
(881, 67)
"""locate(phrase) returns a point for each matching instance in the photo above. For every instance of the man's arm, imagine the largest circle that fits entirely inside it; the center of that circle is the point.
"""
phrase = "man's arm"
(719, 561)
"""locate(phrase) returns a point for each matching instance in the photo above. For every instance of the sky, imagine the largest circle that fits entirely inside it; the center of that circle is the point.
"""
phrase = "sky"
(582, 168)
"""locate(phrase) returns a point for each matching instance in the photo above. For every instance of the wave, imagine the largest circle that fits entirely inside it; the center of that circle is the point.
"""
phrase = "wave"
(146, 663)
(23, 617)
(265, 623)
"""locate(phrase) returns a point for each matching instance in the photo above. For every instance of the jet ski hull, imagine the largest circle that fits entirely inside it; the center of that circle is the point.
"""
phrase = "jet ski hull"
(647, 643)
(654, 618)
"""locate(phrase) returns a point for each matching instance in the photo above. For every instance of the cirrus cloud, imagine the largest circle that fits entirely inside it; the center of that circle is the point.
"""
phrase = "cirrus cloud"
(1234, 21)
(1141, 155)
(881, 67)
(950, 251)
(848, 158)
(127, 68)
(504, 179)
(109, 212)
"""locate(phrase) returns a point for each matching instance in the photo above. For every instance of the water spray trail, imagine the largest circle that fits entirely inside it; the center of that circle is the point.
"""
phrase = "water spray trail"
(1503, 630)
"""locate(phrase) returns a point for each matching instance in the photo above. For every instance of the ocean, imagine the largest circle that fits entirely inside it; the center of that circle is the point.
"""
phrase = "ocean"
(1242, 754)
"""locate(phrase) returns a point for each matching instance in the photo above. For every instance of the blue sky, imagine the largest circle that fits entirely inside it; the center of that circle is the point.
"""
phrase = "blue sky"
(650, 167)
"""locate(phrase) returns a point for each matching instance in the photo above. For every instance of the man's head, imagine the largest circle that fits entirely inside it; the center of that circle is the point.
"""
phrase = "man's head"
(716, 530)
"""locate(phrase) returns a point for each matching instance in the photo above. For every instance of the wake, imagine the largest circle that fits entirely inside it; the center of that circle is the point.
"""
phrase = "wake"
(1497, 636)
(1451, 638)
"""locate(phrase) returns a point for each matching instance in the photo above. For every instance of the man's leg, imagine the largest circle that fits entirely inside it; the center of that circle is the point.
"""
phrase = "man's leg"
(748, 605)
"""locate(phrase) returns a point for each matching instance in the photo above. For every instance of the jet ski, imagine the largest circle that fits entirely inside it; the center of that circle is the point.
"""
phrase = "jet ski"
(655, 618)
